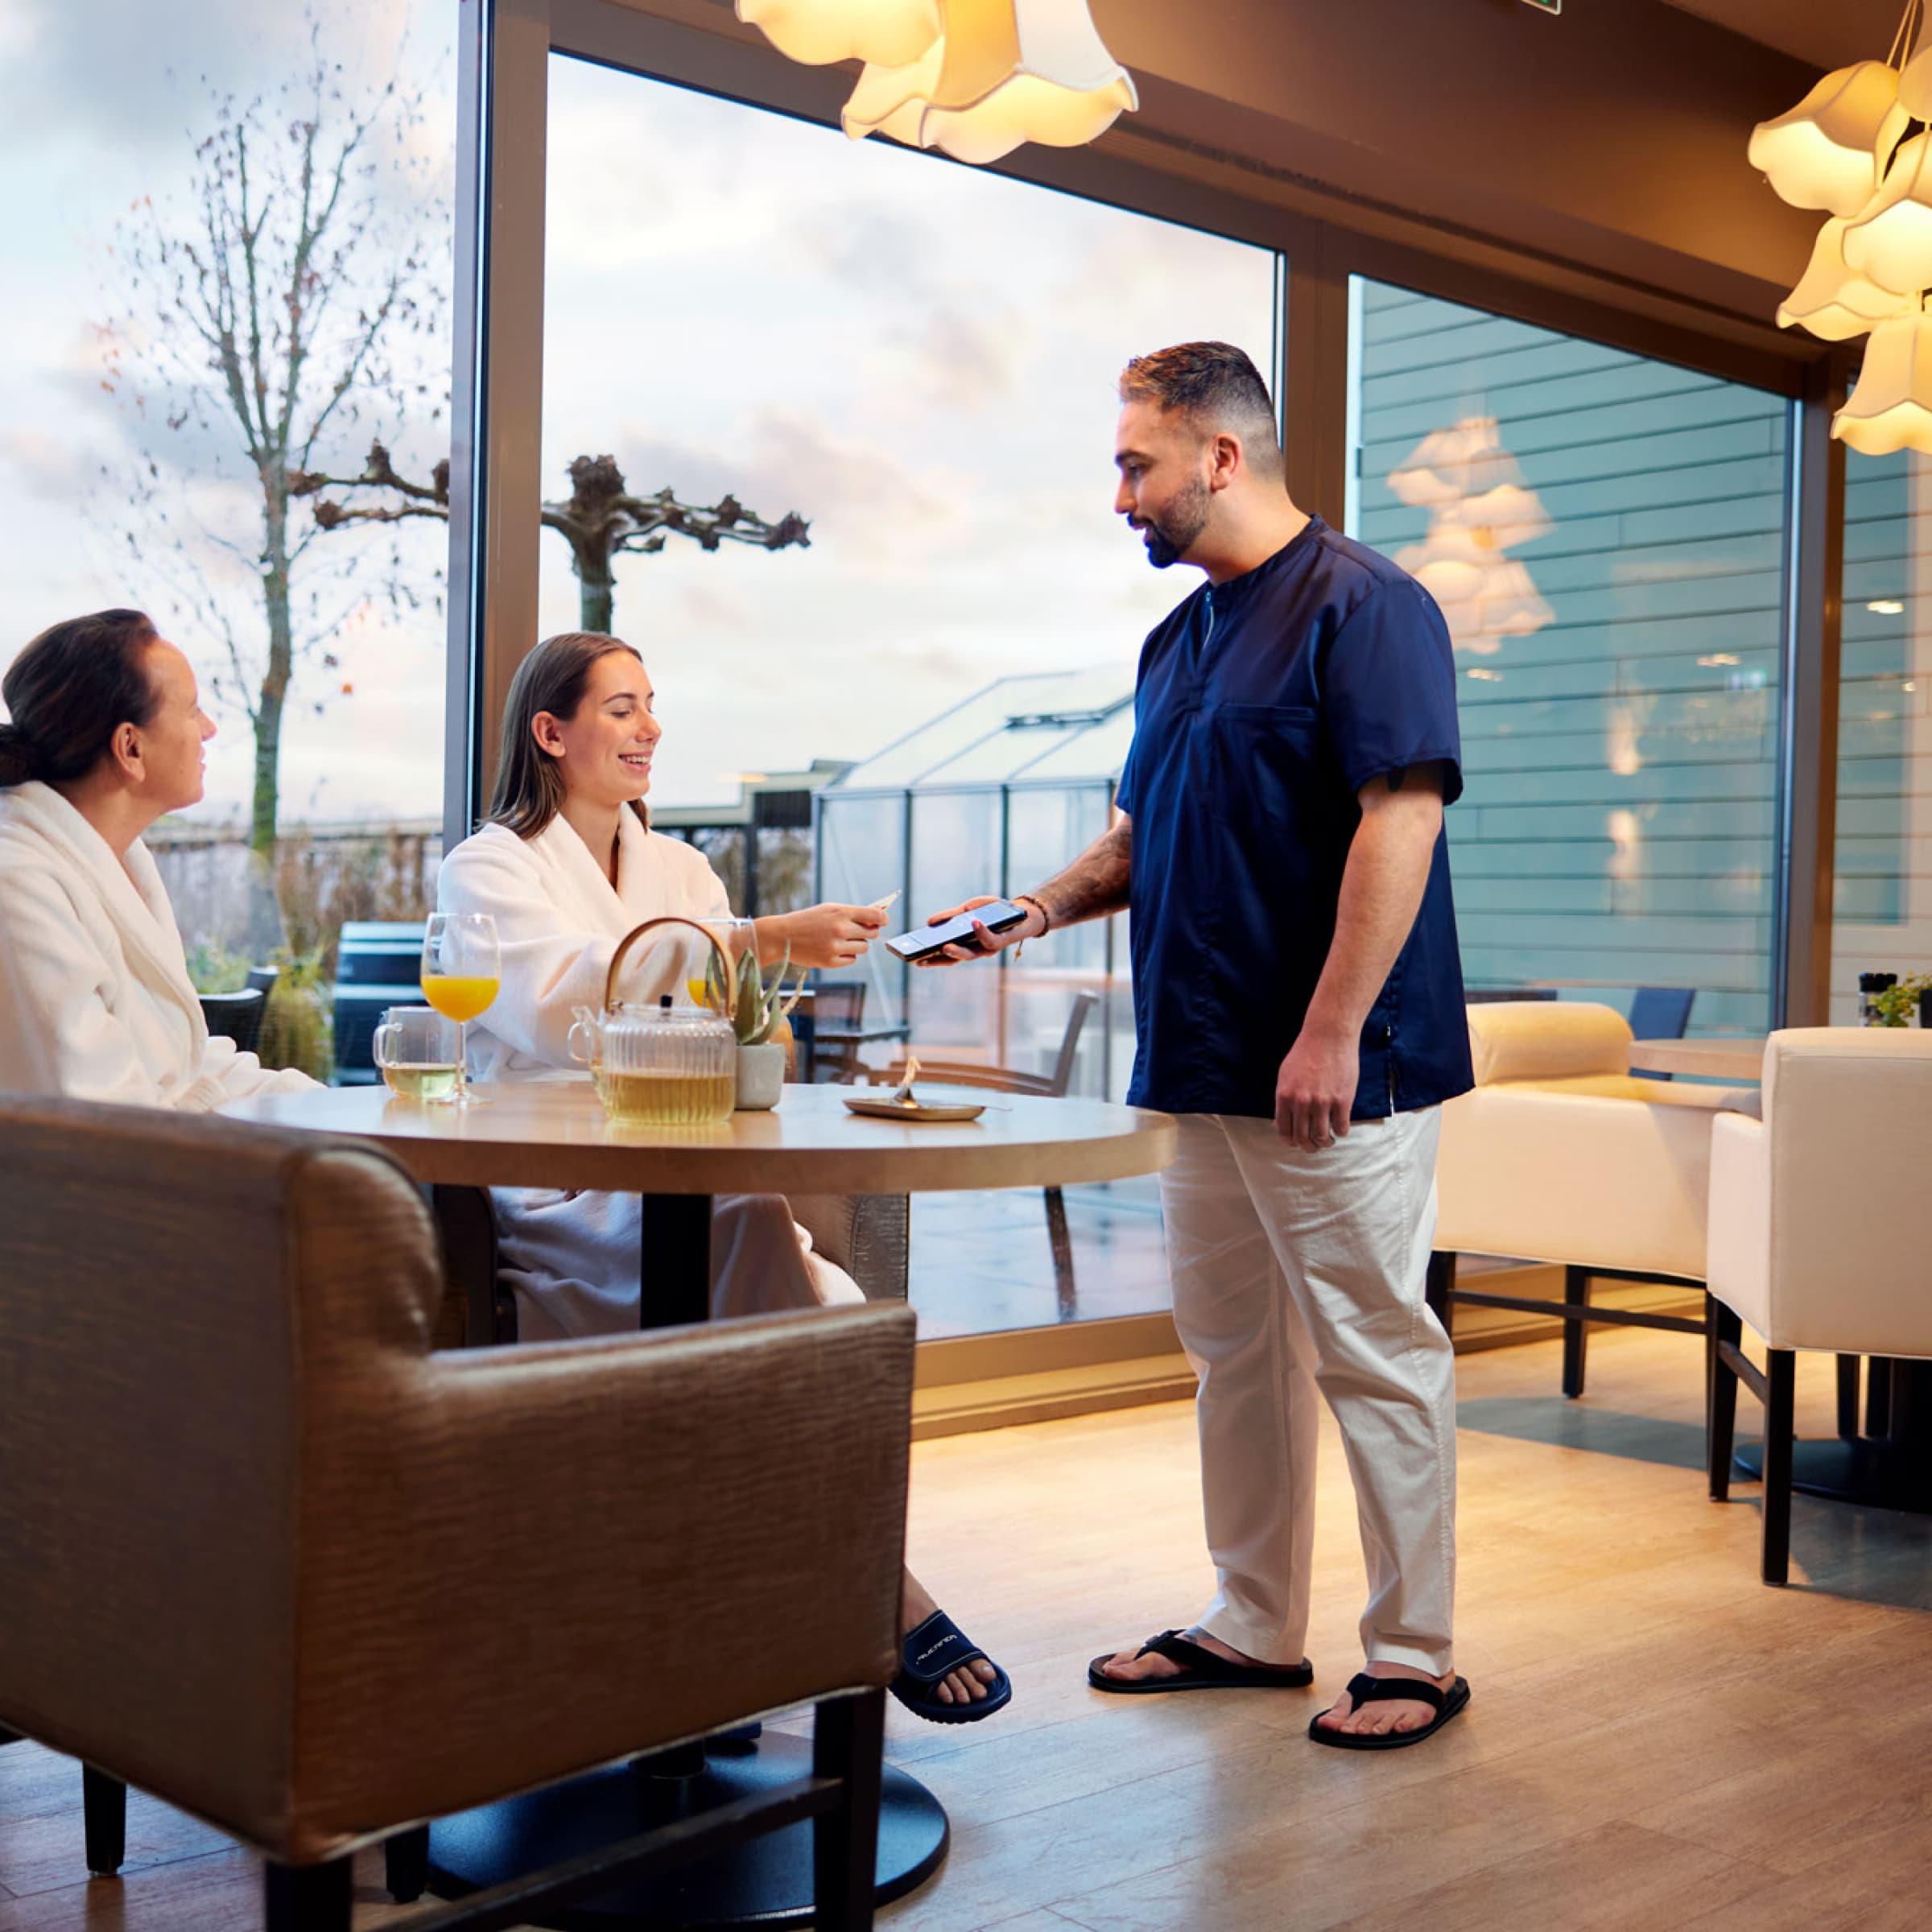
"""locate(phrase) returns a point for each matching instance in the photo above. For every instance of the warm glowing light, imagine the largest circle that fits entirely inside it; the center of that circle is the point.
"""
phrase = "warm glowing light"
(1891, 408)
(816, 32)
(1831, 300)
(1485, 677)
(1719, 657)
(1828, 152)
(745, 777)
(1886, 607)
(1004, 72)
(1889, 240)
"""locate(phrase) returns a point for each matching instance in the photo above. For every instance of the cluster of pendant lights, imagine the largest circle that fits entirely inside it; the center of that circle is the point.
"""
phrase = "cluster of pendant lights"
(974, 77)
(1849, 149)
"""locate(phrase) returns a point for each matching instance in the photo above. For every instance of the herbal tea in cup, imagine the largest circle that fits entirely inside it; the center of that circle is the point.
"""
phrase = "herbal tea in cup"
(420, 1053)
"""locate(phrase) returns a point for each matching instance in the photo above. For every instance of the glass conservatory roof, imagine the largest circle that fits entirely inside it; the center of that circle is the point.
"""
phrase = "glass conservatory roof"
(1067, 726)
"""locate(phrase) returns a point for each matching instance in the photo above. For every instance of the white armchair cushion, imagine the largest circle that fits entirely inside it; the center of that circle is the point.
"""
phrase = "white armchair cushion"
(1546, 1039)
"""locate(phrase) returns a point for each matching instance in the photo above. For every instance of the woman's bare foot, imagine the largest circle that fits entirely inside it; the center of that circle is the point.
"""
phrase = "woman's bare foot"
(1129, 1667)
(964, 1685)
(1385, 1714)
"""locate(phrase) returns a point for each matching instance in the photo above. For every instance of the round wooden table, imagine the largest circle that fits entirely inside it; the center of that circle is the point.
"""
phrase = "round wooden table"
(1716, 1056)
(554, 1133)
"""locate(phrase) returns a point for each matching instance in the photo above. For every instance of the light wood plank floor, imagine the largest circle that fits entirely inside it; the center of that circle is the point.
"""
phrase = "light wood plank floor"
(1657, 1741)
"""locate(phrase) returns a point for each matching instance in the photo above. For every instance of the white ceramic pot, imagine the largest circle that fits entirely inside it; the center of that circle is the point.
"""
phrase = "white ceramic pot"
(760, 1076)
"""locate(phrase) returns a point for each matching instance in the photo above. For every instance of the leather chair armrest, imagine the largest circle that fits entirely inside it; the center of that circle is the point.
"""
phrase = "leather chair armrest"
(520, 1563)
(868, 1235)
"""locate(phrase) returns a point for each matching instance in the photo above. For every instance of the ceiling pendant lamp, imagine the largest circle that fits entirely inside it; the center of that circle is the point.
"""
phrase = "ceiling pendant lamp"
(1889, 240)
(1891, 409)
(817, 32)
(1829, 151)
(1832, 300)
(1005, 72)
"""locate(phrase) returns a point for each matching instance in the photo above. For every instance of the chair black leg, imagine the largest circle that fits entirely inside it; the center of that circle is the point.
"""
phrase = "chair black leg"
(1721, 1420)
(405, 1865)
(1062, 1256)
(1781, 1380)
(306, 1898)
(847, 1743)
(104, 1816)
(1878, 1396)
(1847, 1397)
(1439, 1291)
(1576, 1335)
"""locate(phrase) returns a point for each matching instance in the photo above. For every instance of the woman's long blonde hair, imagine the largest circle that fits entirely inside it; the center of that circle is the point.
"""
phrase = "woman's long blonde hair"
(530, 782)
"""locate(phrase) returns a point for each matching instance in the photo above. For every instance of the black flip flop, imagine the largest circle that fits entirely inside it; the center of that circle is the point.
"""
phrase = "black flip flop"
(1201, 1669)
(1366, 1690)
(931, 1651)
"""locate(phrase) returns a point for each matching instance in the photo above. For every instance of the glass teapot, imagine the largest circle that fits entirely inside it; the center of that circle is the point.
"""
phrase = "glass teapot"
(659, 1065)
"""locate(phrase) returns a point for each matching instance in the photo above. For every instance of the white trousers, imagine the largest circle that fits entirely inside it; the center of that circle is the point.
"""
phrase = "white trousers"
(1297, 1272)
(574, 1261)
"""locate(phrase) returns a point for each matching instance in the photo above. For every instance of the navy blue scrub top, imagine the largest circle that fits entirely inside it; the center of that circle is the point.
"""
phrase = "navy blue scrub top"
(1263, 706)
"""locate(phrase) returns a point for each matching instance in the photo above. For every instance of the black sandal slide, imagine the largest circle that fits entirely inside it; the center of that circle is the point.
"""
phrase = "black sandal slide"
(929, 1652)
(1201, 1669)
(1366, 1690)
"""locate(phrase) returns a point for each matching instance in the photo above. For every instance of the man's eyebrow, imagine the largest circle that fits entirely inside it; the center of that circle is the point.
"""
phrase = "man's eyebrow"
(1122, 457)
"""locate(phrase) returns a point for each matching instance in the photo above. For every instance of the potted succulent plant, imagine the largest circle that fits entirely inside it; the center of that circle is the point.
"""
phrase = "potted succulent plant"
(1893, 1007)
(758, 1018)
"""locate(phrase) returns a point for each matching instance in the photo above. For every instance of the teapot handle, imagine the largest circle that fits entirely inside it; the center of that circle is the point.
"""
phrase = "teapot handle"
(728, 967)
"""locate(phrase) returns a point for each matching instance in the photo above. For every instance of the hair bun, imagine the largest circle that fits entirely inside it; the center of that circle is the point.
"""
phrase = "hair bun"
(17, 759)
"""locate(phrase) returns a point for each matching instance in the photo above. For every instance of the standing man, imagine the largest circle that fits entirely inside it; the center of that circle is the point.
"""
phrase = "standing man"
(1299, 1002)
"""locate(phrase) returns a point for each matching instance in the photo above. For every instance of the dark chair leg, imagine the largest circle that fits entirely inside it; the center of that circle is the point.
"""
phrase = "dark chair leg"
(1062, 1256)
(306, 1898)
(847, 1743)
(1780, 1379)
(1576, 1335)
(1878, 1396)
(1440, 1289)
(1721, 1422)
(104, 1819)
(405, 1865)
(1847, 1397)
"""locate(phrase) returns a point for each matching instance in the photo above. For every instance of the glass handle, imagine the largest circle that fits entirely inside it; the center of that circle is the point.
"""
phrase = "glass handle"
(383, 1046)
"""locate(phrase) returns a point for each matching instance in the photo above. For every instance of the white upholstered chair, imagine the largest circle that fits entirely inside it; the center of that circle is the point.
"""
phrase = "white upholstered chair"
(1821, 1231)
(1561, 1154)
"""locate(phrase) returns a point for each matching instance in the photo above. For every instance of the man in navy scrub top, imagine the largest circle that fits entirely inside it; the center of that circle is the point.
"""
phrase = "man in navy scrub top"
(1299, 1007)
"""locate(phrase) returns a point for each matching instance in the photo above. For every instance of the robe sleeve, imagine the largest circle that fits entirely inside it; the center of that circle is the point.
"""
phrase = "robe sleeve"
(550, 970)
(228, 1074)
(58, 1034)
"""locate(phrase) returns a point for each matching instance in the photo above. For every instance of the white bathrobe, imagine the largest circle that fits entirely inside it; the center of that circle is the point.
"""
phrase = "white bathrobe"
(95, 1000)
(573, 1259)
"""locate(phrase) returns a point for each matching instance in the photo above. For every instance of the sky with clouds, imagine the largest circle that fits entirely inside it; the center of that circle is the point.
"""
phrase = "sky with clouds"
(918, 357)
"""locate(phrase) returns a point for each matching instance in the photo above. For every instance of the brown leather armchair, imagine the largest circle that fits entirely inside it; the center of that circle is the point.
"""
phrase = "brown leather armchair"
(272, 1557)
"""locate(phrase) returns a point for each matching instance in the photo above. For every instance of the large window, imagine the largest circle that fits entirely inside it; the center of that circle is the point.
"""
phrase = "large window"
(180, 341)
(1882, 911)
(918, 359)
(1606, 536)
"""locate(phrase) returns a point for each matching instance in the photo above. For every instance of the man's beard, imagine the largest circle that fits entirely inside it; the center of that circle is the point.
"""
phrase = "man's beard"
(1170, 536)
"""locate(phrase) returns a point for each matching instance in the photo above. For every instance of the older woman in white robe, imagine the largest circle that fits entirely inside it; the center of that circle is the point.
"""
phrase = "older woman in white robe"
(566, 867)
(95, 1000)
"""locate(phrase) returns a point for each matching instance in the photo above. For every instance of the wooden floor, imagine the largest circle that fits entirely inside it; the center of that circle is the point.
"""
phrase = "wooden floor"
(1657, 1741)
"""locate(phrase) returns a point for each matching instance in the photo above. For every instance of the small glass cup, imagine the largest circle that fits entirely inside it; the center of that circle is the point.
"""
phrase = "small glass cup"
(420, 1053)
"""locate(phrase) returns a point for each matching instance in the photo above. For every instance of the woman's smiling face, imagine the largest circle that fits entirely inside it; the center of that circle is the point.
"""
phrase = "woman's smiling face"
(604, 753)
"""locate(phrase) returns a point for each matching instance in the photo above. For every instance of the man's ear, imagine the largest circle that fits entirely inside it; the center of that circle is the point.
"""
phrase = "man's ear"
(1224, 461)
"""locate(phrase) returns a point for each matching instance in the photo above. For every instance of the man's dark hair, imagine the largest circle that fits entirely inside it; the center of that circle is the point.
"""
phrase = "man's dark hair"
(1217, 385)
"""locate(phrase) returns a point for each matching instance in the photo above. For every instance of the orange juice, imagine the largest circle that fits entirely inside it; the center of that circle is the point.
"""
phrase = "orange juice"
(458, 997)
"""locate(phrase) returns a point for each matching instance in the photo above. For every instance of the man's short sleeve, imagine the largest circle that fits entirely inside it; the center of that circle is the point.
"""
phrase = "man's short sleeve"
(1389, 689)
(1123, 789)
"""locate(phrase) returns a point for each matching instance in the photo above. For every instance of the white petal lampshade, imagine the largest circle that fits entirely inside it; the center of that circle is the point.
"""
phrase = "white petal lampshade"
(816, 32)
(1889, 241)
(1915, 87)
(1892, 406)
(1006, 72)
(1828, 151)
(1833, 301)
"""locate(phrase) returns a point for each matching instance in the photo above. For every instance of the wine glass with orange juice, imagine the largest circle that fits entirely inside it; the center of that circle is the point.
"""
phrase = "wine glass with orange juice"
(462, 969)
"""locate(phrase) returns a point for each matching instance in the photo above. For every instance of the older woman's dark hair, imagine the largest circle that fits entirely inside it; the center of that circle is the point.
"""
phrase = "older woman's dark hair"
(553, 678)
(70, 691)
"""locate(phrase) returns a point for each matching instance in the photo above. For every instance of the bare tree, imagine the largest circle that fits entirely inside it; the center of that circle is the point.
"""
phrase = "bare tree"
(297, 292)
(600, 519)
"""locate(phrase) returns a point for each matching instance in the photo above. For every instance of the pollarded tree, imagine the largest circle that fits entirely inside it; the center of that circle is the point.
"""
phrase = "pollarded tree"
(600, 519)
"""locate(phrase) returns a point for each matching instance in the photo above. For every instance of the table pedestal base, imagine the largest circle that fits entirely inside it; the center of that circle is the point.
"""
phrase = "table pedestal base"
(1880, 1475)
(765, 1882)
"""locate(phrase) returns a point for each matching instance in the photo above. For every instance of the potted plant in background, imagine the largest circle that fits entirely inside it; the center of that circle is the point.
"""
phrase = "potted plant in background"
(1894, 1005)
(758, 1018)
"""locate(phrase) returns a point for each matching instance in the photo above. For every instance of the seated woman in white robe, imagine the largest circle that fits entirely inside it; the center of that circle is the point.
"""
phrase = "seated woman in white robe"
(96, 1004)
(567, 865)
